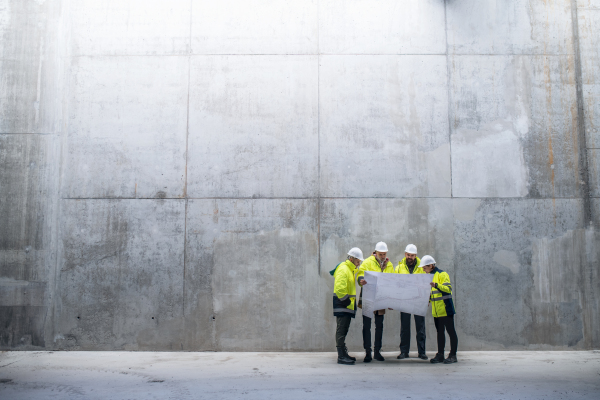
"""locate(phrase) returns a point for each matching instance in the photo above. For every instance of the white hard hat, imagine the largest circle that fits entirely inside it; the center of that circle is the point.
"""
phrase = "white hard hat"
(427, 260)
(411, 248)
(356, 253)
(381, 246)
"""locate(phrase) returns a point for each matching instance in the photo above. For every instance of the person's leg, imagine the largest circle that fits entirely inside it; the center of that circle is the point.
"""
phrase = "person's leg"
(404, 333)
(420, 328)
(441, 341)
(441, 335)
(366, 332)
(343, 324)
(378, 336)
(449, 323)
(378, 331)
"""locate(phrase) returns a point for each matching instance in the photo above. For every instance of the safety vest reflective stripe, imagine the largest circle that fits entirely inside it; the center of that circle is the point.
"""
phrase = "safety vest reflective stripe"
(435, 291)
(348, 296)
(442, 298)
(344, 310)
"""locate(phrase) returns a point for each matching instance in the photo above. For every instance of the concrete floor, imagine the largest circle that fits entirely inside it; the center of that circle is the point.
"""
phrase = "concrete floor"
(137, 375)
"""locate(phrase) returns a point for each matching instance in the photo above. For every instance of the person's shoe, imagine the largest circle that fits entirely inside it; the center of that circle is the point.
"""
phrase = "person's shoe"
(342, 359)
(437, 359)
(378, 356)
(368, 357)
(423, 356)
(402, 356)
(348, 355)
(451, 359)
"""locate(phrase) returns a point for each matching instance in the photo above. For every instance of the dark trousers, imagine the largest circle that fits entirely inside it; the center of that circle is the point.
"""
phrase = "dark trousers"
(446, 323)
(405, 333)
(343, 324)
(367, 332)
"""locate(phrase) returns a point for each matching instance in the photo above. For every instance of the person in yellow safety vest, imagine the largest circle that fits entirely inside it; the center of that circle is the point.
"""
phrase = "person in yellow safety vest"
(410, 264)
(344, 301)
(378, 262)
(442, 309)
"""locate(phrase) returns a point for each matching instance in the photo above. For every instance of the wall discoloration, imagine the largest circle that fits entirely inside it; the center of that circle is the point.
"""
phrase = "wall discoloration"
(537, 303)
(513, 133)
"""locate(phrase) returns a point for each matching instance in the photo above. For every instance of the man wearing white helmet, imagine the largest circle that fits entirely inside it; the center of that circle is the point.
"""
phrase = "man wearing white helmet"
(344, 301)
(442, 309)
(410, 264)
(378, 262)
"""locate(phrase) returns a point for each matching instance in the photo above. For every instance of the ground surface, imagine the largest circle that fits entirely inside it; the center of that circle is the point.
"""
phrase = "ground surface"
(129, 375)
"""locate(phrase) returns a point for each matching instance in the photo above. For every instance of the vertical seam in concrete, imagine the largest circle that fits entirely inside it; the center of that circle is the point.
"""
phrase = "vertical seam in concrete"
(583, 164)
(448, 87)
(448, 93)
(185, 194)
(318, 138)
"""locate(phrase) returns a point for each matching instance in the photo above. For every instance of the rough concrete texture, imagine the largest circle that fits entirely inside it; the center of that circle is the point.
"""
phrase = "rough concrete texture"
(182, 175)
(124, 375)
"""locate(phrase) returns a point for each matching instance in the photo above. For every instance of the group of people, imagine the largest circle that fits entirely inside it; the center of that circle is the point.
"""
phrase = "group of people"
(344, 304)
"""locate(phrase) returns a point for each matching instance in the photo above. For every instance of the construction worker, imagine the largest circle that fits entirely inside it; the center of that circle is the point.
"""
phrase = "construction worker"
(344, 301)
(378, 262)
(442, 309)
(410, 264)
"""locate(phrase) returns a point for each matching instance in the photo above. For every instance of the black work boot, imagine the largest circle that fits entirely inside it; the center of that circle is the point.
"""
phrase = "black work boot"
(378, 356)
(342, 359)
(423, 356)
(368, 357)
(451, 359)
(402, 356)
(348, 355)
(439, 358)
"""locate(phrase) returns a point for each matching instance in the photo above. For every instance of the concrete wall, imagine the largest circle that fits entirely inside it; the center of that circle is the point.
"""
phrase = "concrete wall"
(182, 174)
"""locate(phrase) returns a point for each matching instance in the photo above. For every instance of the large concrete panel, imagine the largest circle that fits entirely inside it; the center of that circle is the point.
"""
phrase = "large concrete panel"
(521, 267)
(381, 27)
(27, 191)
(346, 223)
(253, 126)
(30, 66)
(120, 283)
(509, 27)
(514, 127)
(589, 45)
(254, 27)
(384, 126)
(133, 27)
(127, 127)
(260, 257)
(27, 210)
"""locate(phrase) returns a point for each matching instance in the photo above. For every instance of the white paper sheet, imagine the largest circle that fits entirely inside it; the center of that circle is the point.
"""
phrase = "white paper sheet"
(408, 293)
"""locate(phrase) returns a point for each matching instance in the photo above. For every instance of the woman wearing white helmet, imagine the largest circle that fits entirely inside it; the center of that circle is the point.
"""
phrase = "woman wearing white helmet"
(442, 309)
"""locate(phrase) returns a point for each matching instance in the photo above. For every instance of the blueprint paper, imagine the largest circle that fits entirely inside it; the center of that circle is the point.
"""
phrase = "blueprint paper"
(408, 293)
